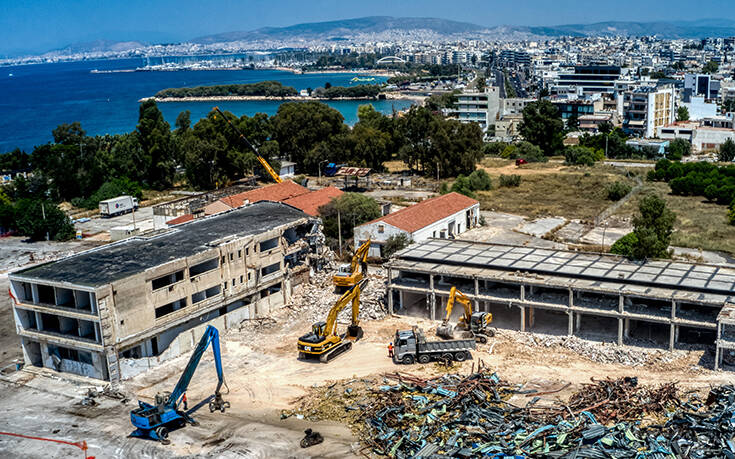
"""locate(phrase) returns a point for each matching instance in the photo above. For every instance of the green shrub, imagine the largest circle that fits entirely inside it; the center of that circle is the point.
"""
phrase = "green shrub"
(624, 246)
(530, 153)
(480, 180)
(731, 213)
(582, 156)
(395, 243)
(462, 186)
(617, 191)
(510, 180)
(494, 148)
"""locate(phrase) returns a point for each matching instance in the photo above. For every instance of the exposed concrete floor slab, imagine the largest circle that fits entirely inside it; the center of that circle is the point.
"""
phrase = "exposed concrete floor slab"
(572, 231)
(143, 220)
(542, 226)
(601, 235)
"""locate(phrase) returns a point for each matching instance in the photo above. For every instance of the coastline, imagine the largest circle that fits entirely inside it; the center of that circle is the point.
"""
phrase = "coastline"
(388, 96)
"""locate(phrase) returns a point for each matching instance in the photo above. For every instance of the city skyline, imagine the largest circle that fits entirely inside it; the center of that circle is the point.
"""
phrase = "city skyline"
(168, 21)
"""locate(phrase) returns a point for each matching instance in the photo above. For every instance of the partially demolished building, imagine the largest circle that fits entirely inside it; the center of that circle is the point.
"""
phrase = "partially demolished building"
(564, 292)
(109, 312)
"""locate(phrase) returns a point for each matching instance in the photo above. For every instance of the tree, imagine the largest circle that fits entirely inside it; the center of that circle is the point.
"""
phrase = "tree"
(15, 160)
(183, 122)
(682, 113)
(299, 126)
(542, 126)
(573, 122)
(618, 190)
(529, 152)
(463, 186)
(353, 209)
(678, 148)
(727, 151)
(69, 134)
(710, 67)
(36, 218)
(154, 135)
(625, 245)
(480, 83)
(652, 229)
(395, 243)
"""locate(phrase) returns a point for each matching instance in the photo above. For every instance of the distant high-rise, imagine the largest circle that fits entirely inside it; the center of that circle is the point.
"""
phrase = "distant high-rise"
(588, 78)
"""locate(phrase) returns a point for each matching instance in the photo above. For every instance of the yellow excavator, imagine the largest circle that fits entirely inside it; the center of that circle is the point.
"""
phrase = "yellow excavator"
(323, 342)
(348, 274)
(475, 324)
(261, 160)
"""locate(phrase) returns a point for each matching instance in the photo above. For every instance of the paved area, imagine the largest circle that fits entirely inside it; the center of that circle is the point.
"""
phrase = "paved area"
(542, 226)
(500, 229)
(143, 220)
(406, 195)
(601, 235)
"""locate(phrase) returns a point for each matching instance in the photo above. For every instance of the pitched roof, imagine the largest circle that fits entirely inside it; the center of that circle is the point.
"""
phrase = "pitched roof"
(274, 192)
(311, 202)
(180, 219)
(426, 212)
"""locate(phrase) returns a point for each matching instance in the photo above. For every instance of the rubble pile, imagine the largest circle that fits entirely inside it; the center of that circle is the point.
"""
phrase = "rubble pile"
(314, 299)
(597, 352)
(405, 416)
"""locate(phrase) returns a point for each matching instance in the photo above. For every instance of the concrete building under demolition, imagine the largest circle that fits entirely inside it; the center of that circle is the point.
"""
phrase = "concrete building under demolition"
(113, 311)
(564, 292)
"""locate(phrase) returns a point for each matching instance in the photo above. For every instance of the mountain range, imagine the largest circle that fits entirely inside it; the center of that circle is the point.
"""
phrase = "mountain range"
(350, 28)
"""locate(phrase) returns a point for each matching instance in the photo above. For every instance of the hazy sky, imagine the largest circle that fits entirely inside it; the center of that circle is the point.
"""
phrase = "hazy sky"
(39, 25)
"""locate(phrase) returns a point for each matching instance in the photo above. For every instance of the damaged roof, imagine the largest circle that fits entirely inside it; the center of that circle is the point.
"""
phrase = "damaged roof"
(131, 256)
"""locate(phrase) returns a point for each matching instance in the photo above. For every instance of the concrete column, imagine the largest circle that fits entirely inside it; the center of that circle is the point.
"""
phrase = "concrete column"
(432, 298)
(530, 290)
(676, 334)
(570, 329)
(620, 332)
(390, 300)
(531, 317)
(626, 328)
(523, 292)
(717, 346)
(401, 306)
(523, 318)
(672, 336)
(96, 332)
(39, 320)
(571, 297)
(477, 293)
(621, 303)
(578, 325)
(673, 309)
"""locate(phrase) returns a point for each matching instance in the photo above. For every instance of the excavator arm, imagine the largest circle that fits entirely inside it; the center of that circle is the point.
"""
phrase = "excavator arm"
(359, 261)
(244, 139)
(457, 296)
(360, 256)
(211, 335)
(350, 296)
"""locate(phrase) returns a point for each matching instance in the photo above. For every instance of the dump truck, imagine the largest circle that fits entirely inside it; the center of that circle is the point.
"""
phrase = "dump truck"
(118, 206)
(411, 346)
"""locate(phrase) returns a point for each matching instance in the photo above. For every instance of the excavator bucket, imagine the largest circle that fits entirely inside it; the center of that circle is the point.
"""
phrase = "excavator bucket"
(355, 332)
(445, 331)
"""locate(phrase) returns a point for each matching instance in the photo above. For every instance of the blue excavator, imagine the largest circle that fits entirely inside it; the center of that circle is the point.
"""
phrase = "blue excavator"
(155, 421)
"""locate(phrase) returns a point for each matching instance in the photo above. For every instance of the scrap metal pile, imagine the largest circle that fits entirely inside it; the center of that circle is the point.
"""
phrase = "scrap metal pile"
(480, 415)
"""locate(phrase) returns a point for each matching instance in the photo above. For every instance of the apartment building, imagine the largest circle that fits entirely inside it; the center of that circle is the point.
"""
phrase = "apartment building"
(647, 108)
(586, 79)
(479, 107)
(113, 311)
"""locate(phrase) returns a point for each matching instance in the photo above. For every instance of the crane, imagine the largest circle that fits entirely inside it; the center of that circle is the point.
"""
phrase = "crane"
(244, 139)
(348, 275)
(155, 421)
(476, 323)
(323, 341)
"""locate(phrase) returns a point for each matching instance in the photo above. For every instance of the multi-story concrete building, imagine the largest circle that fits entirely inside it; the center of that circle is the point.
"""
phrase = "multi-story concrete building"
(479, 107)
(112, 311)
(586, 79)
(647, 108)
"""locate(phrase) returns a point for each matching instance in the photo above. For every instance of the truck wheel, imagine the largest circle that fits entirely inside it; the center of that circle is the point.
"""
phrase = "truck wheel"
(424, 358)
(447, 357)
(460, 356)
(407, 360)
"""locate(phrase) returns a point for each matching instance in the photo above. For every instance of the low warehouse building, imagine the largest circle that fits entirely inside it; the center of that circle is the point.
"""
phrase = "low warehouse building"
(442, 217)
(110, 312)
(567, 292)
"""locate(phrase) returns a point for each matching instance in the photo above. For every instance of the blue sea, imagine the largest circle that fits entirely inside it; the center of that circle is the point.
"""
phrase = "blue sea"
(34, 99)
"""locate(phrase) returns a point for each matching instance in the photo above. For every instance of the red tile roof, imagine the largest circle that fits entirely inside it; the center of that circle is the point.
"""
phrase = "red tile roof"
(275, 192)
(311, 202)
(426, 212)
(181, 219)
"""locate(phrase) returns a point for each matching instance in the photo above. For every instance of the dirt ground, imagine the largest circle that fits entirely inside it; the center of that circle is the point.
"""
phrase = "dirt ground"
(264, 377)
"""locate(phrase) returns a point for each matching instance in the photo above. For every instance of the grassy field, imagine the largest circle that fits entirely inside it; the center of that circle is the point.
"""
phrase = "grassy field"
(699, 224)
(551, 189)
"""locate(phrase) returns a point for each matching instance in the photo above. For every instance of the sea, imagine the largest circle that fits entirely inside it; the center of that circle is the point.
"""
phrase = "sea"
(34, 99)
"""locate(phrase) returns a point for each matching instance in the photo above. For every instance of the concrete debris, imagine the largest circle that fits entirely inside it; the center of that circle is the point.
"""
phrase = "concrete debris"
(312, 301)
(597, 352)
(107, 391)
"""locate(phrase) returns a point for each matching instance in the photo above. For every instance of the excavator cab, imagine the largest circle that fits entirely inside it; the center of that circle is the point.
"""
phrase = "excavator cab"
(350, 274)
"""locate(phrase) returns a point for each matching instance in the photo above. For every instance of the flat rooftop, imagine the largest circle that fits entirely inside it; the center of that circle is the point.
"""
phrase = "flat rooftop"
(692, 277)
(116, 261)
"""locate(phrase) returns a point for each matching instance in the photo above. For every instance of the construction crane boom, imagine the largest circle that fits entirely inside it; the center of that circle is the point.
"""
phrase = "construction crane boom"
(348, 274)
(155, 421)
(244, 139)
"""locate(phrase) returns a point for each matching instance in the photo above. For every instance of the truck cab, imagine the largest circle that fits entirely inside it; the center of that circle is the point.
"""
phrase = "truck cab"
(405, 344)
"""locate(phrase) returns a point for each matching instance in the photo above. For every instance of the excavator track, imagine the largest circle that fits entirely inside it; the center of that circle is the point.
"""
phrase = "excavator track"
(335, 352)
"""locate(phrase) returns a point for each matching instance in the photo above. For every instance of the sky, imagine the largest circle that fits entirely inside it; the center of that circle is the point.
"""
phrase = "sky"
(41, 25)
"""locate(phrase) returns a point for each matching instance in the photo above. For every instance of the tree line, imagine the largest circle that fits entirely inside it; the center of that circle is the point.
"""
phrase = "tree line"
(83, 169)
(270, 89)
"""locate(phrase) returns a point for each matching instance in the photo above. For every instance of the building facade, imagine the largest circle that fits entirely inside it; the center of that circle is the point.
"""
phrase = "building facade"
(112, 311)
(647, 108)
